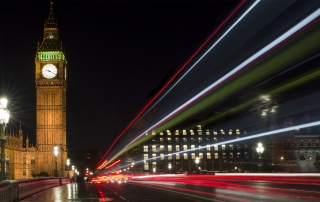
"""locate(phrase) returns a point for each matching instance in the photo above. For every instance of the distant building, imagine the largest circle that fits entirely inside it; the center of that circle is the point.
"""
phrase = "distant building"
(175, 151)
(299, 148)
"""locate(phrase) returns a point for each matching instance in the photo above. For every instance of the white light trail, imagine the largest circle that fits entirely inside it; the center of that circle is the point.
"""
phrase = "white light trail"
(230, 28)
(274, 43)
(306, 125)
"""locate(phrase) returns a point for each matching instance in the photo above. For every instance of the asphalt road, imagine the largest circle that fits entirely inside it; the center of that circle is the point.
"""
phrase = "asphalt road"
(172, 191)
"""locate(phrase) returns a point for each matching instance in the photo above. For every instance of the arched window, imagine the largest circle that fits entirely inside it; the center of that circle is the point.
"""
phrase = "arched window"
(309, 143)
(301, 143)
(317, 143)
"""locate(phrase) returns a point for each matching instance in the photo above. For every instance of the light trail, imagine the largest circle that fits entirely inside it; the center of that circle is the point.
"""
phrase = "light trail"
(272, 91)
(172, 78)
(306, 125)
(232, 26)
(239, 68)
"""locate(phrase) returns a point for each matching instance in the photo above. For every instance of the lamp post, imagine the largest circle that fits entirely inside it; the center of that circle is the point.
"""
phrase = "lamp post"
(281, 158)
(4, 119)
(55, 152)
(169, 167)
(260, 150)
(68, 163)
(310, 158)
(197, 163)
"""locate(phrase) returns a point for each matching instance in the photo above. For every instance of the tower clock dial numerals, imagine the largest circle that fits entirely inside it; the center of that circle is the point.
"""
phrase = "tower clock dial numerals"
(49, 71)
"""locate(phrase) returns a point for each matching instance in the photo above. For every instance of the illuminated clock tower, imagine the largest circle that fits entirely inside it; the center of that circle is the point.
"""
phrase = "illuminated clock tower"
(51, 89)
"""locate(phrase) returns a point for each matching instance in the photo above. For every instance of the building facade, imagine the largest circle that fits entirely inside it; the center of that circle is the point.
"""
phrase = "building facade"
(176, 152)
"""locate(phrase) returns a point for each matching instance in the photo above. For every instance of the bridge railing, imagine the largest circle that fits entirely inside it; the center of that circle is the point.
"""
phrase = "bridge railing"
(12, 190)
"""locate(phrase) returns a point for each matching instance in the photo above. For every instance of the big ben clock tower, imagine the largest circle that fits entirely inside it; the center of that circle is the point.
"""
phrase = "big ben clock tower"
(51, 88)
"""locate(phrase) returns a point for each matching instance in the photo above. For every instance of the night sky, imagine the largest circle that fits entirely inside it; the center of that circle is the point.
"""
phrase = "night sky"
(117, 53)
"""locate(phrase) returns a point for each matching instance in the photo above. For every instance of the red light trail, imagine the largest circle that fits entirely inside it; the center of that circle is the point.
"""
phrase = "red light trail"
(172, 78)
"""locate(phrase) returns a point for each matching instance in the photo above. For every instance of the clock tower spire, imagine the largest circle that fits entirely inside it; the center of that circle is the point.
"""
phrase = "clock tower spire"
(51, 89)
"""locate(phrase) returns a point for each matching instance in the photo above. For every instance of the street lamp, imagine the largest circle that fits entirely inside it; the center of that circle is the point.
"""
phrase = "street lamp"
(197, 162)
(281, 158)
(169, 167)
(4, 119)
(260, 150)
(55, 152)
(68, 163)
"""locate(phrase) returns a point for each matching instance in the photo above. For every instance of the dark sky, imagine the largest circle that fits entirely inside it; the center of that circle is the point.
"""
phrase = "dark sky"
(117, 53)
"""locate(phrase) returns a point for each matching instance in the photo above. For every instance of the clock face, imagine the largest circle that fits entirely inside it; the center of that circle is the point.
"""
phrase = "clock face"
(49, 71)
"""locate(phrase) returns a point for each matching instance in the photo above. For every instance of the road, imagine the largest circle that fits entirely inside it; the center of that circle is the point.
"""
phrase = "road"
(194, 190)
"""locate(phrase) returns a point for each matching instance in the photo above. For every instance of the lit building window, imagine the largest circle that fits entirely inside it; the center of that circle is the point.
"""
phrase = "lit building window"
(208, 148)
(169, 148)
(169, 139)
(161, 133)
(185, 147)
(153, 132)
(230, 132)
(161, 156)
(193, 156)
(161, 147)
(238, 154)
(222, 132)
(192, 140)
(177, 140)
(191, 132)
(200, 148)
(231, 155)
(231, 147)
(185, 141)
(199, 127)
(154, 148)
(184, 132)
(238, 147)
(169, 156)
(161, 140)
(215, 148)
(224, 155)
(146, 166)
(145, 148)
(207, 132)
(200, 139)
(208, 156)
(199, 132)
(154, 156)
(215, 132)
(177, 156)
(168, 132)
(200, 155)
(193, 147)
(215, 139)
(223, 147)
(154, 165)
(238, 132)
(177, 148)
(185, 156)
(177, 132)
(208, 140)
(145, 157)
(216, 156)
